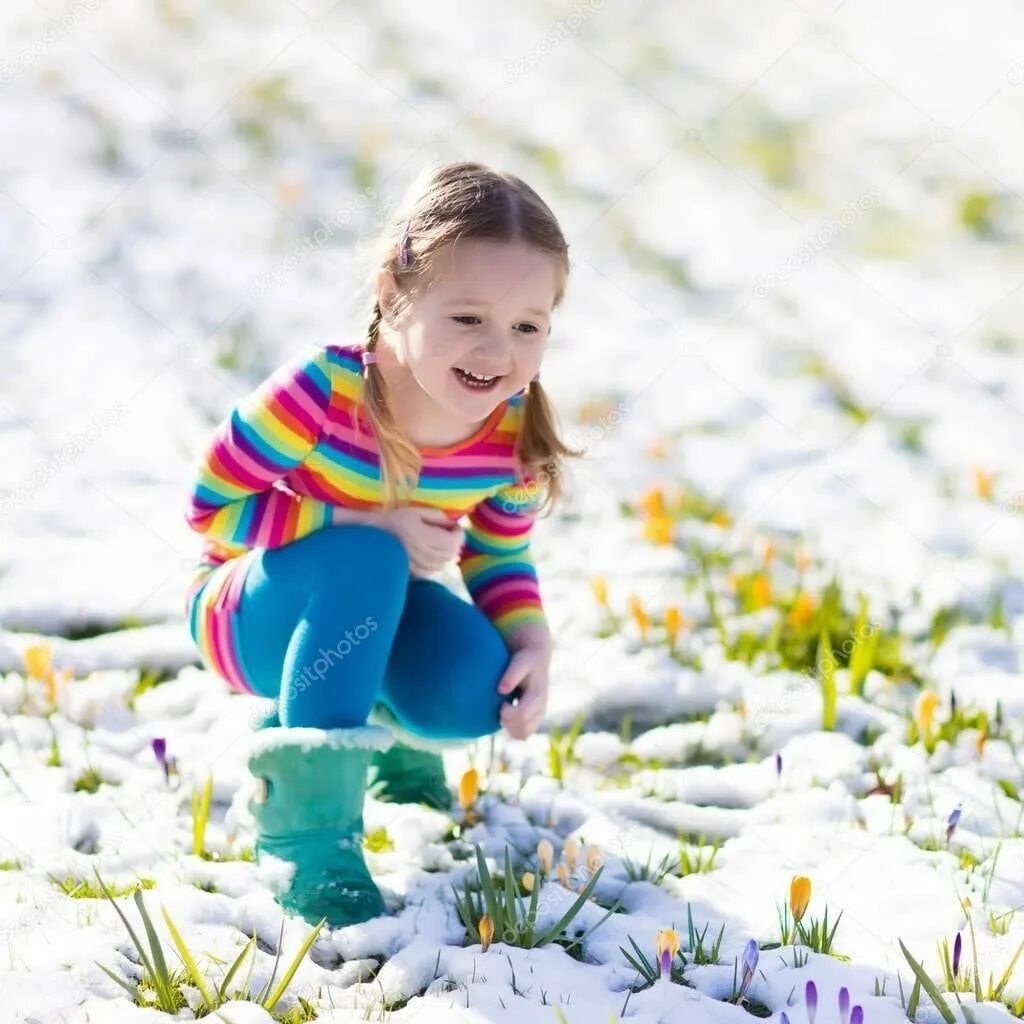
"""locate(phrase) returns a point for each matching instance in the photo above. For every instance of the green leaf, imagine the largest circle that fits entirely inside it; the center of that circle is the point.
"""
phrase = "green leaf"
(161, 976)
(146, 962)
(827, 669)
(487, 887)
(998, 993)
(223, 990)
(915, 998)
(293, 966)
(929, 986)
(190, 965)
(573, 910)
(131, 989)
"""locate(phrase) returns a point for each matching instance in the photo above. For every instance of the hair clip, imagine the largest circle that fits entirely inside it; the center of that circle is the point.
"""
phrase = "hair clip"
(404, 255)
(369, 357)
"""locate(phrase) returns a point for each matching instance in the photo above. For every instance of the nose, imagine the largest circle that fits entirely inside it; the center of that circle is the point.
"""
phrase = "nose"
(493, 348)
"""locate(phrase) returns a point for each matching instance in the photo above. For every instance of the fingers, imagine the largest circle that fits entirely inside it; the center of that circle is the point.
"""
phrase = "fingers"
(444, 544)
(433, 515)
(518, 724)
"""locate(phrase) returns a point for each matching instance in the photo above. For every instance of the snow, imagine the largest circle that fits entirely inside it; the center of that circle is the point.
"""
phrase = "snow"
(783, 191)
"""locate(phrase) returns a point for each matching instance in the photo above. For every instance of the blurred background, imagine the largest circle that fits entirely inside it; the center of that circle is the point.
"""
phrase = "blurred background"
(795, 233)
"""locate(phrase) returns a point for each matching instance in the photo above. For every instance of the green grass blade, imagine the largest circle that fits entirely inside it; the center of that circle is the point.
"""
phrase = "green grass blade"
(293, 966)
(511, 914)
(826, 669)
(277, 963)
(929, 986)
(222, 991)
(131, 989)
(190, 965)
(146, 962)
(915, 998)
(573, 910)
(487, 887)
(998, 992)
(154, 940)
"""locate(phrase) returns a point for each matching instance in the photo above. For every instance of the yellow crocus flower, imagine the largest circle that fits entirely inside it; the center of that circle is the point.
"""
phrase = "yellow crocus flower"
(636, 610)
(802, 611)
(599, 588)
(983, 483)
(673, 623)
(486, 929)
(528, 881)
(924, 711)
(666, 944)
(799, 896)
(653, 502)
(469, 788)
(761, 591)
(545, 855)
(571, 852)
(38, 660)
(658, 530)
(593, 858)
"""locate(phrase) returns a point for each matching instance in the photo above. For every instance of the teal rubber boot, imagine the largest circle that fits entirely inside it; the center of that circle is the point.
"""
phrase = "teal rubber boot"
(405, 775)
(307, 805)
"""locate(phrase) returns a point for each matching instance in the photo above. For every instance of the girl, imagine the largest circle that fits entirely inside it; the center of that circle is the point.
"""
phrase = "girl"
(330, 495)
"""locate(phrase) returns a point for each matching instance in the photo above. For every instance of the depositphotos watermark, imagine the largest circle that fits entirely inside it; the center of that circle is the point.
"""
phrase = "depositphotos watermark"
(555, 37)
(815, 245)
(56, 29)
(329, 656)
(259, 284)
(61, 457)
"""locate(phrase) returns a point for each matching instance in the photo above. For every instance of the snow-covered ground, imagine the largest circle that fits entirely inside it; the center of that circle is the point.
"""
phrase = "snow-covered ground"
(796, 290)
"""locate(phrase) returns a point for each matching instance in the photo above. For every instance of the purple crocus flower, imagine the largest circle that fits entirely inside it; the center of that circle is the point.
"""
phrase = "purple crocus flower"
(951, 822)
(750, 955)
(857, 1015)
(811, 1001)
(783, 1018)
(665, 961)
(958, 948)
(844, 1005)
(159, 746)
(778, 766)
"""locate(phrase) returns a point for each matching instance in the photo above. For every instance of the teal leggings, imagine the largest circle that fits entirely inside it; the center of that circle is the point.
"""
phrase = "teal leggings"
(334, 623)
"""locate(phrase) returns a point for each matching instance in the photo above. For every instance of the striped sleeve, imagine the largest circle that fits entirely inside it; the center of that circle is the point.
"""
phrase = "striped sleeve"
(495, 560)
(238, 496)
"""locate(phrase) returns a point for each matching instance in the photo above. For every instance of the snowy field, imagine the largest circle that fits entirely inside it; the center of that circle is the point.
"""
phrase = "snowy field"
(788, 593)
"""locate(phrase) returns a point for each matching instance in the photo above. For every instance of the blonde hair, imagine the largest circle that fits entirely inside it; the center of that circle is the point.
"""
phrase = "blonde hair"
(458, 200)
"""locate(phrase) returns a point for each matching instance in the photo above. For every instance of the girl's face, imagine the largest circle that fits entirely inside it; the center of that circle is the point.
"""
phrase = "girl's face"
(487, 313)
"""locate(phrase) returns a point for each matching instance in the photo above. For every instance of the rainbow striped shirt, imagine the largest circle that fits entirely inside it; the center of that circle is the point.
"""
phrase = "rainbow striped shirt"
(293, 448)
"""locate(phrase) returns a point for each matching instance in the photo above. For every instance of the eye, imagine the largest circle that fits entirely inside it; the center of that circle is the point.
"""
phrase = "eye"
(533, 328)
(467, 316)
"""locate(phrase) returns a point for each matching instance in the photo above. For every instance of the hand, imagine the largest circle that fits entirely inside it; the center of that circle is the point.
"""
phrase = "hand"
(429, 536)
(528, 669)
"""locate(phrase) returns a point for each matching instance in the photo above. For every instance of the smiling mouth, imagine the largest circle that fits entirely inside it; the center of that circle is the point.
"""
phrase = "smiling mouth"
(476, 382)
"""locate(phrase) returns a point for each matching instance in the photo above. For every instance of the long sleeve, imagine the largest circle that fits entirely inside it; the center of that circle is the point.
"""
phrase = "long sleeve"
(237, 497)
(495, 560)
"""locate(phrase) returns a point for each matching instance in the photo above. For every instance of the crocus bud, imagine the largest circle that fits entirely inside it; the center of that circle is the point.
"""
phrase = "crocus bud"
(811, 1001)
(545, 855)
(486, 932)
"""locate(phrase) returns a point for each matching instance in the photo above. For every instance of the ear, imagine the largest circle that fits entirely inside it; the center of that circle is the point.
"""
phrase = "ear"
(387, 293)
